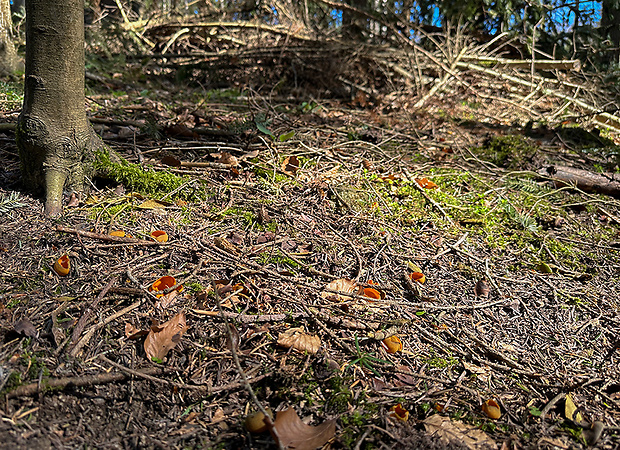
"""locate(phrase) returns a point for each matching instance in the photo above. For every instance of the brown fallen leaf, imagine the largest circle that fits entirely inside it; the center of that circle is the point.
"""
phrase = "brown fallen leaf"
(162, 338)
(74, 201)
(154, 204)
(298, 339)
(224, 244)
(25, 328)
(133, 332)
(167, 300)
(236, 338)
(481, 289)
(341, 285)
(226, 158)
(290, 165)
(171, 161)
(290, 432)
(456, 432)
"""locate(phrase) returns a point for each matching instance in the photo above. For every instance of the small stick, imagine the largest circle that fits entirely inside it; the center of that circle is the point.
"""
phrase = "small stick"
(83, 380)
(105, 237)
(88, 312)
(88, 336)
(244, 378)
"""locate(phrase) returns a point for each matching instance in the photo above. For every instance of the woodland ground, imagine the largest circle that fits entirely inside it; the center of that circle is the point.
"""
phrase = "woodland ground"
(320, 188)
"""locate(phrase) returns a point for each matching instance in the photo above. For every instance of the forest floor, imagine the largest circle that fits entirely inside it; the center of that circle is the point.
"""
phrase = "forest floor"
(511, 341)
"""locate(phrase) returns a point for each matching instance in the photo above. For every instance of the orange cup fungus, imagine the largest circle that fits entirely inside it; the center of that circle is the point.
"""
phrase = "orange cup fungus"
(63, 265)
(160, 236)
(392, 344)
(165, 282)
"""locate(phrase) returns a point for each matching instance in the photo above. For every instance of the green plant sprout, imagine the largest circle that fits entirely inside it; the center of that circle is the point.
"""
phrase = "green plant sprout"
(365, 359)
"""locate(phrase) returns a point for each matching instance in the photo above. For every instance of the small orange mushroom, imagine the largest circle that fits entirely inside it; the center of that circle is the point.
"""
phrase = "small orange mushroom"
(491, 409)
(164, 283)
(160, 236)
(392, 344)
(398, 412)
(62, 266)
(417, 276)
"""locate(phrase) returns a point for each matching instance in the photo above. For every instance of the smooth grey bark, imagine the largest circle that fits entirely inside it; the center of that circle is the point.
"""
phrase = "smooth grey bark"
(8, 54)
(55, 139)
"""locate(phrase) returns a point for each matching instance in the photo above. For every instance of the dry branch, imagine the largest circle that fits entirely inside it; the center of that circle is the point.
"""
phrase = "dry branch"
(573, 64)
(600, 183)
(105, 237)
(81, 381)
(600, 116)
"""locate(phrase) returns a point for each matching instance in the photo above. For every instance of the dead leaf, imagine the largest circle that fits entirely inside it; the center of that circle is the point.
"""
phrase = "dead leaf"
(226, 158)
(474, 368)
(236, 338)
(571, 412)
(171, 161)
(154, 204)
(288, 245)
(290, 165)
(298, 339)
(343, 285)
(403, 378)
(73, 201)
(267, 236)
(162, 338)
(224, 244)
(180, 130)
(167, 300)
(250, 154)
(290, 432)
(236, 238)
(481, 289)
(132, 332)
(456, 432)
(414, 267)
(25, 328)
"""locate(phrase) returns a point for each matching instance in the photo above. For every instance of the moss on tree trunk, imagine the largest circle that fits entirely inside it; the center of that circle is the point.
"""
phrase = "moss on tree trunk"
(55, 139)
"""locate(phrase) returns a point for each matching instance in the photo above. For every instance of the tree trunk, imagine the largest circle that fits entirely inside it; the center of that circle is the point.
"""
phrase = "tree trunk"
(610, 26)
(55, 139)
(353, 24)
(8, 55)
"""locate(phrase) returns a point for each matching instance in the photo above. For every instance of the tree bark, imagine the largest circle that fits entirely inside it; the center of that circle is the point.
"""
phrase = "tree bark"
(610, 26)
(8, 55)
(55, 139)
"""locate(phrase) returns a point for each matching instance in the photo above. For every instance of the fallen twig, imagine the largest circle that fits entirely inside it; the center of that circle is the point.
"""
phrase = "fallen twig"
(88, 336)
(105, 237)
(81, 381)
(88, 312)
